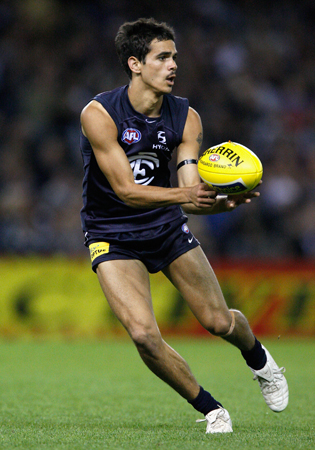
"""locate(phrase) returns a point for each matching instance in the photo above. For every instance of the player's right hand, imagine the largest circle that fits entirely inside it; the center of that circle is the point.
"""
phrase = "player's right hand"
(202, 196)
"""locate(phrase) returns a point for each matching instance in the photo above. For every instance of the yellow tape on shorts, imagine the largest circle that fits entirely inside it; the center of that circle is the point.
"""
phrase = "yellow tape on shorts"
(97, 249)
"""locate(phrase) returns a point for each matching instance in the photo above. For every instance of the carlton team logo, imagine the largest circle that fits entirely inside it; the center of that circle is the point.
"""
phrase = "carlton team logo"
(131, 136)
(143, 166)
(214, 157)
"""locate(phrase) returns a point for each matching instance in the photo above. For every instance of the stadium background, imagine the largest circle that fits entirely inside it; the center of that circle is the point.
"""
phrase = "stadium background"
(249, 70)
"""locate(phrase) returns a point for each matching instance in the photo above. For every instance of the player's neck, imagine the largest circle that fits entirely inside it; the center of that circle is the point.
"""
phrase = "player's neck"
(145, 101)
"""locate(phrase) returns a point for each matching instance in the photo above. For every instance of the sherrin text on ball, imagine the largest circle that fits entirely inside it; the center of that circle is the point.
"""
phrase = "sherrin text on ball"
(230, 168)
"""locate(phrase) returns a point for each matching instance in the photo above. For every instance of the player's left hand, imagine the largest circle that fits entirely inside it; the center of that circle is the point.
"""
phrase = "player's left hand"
(233, 201)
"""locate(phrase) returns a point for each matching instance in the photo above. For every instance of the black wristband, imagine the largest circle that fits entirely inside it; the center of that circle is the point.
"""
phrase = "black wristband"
(186, 161)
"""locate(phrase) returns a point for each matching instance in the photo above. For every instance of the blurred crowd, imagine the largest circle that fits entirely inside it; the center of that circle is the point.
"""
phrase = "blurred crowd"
(247, 67)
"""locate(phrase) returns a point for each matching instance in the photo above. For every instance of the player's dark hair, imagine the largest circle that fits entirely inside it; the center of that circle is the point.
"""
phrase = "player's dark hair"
(134, 39)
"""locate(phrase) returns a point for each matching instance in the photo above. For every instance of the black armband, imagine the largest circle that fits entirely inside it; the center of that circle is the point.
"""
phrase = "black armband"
(186, 161)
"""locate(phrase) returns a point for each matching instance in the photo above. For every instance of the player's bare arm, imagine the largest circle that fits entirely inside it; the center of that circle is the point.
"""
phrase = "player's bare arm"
(101, 131)
(188, 174)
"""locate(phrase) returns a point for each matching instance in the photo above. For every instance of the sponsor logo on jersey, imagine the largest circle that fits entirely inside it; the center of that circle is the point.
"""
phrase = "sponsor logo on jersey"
(161, 137)
(162, 142)
(143, 165)
(131, 136)
(160, 147)
(97, 249)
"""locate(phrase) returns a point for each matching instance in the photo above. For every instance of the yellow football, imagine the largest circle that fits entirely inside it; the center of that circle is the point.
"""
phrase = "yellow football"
(230, 168)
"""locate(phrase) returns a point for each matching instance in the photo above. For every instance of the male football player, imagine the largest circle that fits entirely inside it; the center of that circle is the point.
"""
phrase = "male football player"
(134, 221)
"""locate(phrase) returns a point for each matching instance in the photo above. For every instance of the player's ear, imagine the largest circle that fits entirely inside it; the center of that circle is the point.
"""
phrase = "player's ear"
(134, 64)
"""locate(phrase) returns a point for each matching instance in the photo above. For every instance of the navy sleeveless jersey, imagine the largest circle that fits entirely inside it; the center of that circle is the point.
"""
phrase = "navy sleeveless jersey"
(148, 144)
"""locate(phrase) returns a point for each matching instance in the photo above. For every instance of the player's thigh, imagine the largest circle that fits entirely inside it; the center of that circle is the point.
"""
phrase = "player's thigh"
(193, 276)
(126, 286)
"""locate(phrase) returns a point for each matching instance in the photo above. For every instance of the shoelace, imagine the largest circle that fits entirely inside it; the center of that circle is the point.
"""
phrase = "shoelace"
(275, 372)
(270, 386)
(220, 413)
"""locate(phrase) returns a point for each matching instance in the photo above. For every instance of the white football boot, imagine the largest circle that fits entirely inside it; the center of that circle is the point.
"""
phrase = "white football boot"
(273, 385)
(218, 421)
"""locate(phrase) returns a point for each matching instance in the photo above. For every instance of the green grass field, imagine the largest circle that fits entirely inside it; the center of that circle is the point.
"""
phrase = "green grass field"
(99, 395)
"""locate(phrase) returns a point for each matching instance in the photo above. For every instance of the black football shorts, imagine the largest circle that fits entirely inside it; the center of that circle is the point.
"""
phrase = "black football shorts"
(155, 247)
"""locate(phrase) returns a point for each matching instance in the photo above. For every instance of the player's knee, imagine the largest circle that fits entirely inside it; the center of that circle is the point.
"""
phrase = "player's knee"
(220, 324)
(146, 340)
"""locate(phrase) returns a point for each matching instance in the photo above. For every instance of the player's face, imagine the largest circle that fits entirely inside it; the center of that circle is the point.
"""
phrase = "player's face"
(159, 70)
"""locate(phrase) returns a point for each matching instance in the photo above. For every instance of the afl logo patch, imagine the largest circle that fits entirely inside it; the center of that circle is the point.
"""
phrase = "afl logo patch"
(214, 157)
(131, 136)
(185, 228)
